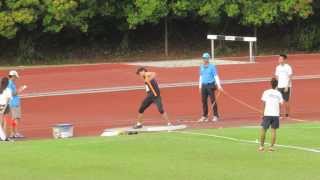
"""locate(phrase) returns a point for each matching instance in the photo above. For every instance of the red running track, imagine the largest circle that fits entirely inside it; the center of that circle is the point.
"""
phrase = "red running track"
(91, 113)
(111, 75)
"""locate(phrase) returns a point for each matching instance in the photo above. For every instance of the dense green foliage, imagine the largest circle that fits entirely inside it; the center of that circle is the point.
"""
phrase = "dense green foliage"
(54, 15)
(34, 19)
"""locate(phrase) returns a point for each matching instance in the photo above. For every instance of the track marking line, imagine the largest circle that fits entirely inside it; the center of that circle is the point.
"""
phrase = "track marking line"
(258, 127)
(166, 85)
(298, 120)
(249, 141)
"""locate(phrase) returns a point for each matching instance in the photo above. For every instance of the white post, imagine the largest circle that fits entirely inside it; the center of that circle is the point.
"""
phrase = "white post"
(212, 49)
(250, 51)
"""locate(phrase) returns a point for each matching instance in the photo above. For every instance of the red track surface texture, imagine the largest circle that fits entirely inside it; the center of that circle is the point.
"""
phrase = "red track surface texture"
(91, 113)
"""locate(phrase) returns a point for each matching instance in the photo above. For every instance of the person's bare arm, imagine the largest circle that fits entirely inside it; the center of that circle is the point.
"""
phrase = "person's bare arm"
(276, 74)
(200, 84)
(290, 73)
(21, 89)
(280, 105)
(263, 108)
(217, 79)
(289, 83)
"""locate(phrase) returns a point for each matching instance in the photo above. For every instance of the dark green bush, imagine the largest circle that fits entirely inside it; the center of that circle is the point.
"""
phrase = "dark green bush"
(307, 38)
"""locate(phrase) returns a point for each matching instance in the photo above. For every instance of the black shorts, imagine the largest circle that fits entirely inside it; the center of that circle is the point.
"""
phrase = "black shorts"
(285, 95)
(150, 99)
(272, 121)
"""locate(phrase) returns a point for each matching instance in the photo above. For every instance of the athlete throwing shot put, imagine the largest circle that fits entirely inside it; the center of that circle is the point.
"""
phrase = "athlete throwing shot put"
(153, 96)
(272, 100)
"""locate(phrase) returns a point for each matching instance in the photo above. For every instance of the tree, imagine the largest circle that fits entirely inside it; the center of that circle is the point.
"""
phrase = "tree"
(17, 14)
(256, 13)
(133, 13)
(54, 15)
(59, 14)
(22, 19)
(260, 12)
(145, 11)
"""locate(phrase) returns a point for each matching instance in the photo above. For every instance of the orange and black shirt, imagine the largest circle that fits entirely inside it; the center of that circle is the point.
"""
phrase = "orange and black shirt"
(152, 87)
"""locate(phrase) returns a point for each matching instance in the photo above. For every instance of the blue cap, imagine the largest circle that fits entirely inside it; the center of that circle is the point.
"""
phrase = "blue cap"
(206, 56)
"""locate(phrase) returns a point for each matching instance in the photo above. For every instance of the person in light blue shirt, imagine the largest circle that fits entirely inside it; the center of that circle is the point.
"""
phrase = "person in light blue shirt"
(209, 82)
(15, 102)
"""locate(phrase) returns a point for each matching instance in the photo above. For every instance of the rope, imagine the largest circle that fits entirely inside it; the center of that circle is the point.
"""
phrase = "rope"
(214, 103)
(242, 102)
(254, 108)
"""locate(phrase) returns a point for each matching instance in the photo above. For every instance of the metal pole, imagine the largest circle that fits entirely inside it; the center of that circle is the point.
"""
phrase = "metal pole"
(250, 51)
(255, 43)
(212, 49)
(166, 49)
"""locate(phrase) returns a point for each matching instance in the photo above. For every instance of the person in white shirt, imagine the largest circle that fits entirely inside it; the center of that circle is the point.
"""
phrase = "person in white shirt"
(5, 96)
(284, 76)
(272, 100)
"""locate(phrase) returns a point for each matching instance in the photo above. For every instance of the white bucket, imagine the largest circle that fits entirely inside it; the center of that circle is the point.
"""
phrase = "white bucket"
(62, 131)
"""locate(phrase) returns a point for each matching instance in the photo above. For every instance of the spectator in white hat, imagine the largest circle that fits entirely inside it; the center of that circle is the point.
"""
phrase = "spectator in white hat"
(15, 102)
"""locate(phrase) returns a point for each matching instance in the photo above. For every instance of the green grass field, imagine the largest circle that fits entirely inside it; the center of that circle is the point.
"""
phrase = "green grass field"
(167, 156)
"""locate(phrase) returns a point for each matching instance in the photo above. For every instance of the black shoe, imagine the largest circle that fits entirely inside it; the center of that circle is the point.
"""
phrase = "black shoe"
(9, 140)
(137, 126)
(132, 133)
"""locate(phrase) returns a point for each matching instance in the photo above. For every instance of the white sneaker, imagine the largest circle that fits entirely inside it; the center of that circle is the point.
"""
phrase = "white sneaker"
(261, 149)
(138, 126)
(169, 127)
(215, 119)
(203, 119)
(271, 149)
(18, 135)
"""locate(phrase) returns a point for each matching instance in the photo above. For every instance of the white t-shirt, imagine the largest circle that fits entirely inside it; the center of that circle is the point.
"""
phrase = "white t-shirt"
(272, 99)
(283, 72)
(5, 96)
(147, 88)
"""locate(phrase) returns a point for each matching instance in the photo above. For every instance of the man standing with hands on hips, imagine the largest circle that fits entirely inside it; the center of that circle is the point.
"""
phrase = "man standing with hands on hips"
(209, 82)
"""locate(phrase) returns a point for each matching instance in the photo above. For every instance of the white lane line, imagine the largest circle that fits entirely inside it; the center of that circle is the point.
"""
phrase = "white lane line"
(258, 127)
(249, 141)
(166, 85)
